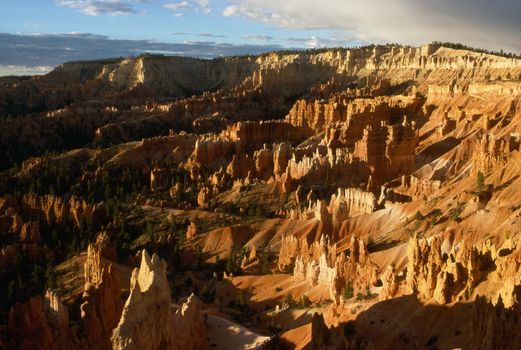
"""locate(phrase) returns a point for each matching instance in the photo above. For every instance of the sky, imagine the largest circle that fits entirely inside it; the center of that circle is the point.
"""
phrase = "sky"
(37, 35)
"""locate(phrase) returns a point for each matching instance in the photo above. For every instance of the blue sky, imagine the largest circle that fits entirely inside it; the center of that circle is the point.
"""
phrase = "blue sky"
(47, 32)
(162, 21)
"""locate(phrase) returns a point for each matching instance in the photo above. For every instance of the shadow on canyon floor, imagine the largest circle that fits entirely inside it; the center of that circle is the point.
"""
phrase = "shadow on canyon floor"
(407, 323)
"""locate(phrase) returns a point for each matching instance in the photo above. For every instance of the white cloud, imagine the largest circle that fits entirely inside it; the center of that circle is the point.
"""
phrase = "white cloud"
(258, 37)
(482, 23)
(99, 7)
(50, 50)
(24, 70)
(174, 6)
(314, 42)
(203, 35)
(203, 6)
(231, 11)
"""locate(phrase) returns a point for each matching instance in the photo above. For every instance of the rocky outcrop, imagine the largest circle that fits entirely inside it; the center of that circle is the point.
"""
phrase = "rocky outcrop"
(358, 269)
(419, 188)
(389, 150)
(351, 201)
(191, 231)
(209, 150)
(58, 318)
(22, 218)
(102, 304)
(510, 293)
(328, 168)
(410, 187)
(159, 179)
(432, 272)
(256, 148)
(319, 264)
(29, 326)
(281, 155)
(55, 209)
(491, 152)
(148, 320)
(446, 127)
(316, 114)
(188, 327)
(347, 202)
(250, 136)
(30, 232)
(390, 284)
(145, 320)
(288, 252)
(40, 323)
(494, 326)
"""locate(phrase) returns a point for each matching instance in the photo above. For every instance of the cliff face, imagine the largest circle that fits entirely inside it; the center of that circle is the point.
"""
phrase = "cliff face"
(148, 321)
(54, 209)
(234, 89)
(346, 114)
(388, 150)
(144, 323)
(491, 151)
(102, 304)
(319, 264)
(23, 219)
(441, 270)
(40, 323)
(385, 179)
(351, 201)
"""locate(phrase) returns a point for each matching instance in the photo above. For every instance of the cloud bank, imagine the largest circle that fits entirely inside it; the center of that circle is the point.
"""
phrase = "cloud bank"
(22, 53)
(487, 24)
(99, 7)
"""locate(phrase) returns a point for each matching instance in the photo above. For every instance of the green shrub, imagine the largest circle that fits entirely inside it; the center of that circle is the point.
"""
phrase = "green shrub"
(480, 181)
(455, 213)
(434, 215)
(348, 291)
(288, 299)
(233, 264)
(304, 302)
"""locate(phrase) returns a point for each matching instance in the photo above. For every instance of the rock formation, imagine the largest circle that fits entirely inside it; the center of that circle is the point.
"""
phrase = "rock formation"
(102, 305)
(431, 273)
(389, 150)
(390, 284)
(145, 320)
(192, 231)
(158, 179)
(492, 152)
(308, 155)
(54, 209)
(148, 320)
(319, 263)
(351, 201)
(40, 323)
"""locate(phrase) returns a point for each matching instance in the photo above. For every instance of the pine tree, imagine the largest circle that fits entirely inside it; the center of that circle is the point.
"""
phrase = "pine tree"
(480, 181)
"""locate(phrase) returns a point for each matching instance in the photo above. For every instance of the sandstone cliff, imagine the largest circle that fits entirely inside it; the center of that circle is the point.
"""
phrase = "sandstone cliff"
(102, 304)
(148, 320)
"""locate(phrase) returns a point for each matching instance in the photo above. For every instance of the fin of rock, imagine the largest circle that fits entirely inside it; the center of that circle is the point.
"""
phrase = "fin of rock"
(148, 320)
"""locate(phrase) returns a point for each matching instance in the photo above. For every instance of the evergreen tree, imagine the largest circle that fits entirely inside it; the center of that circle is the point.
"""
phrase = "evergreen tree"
(480, 181)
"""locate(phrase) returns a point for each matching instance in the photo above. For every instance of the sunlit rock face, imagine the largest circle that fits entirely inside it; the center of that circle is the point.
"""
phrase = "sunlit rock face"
(148, 320)
(376, 187)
